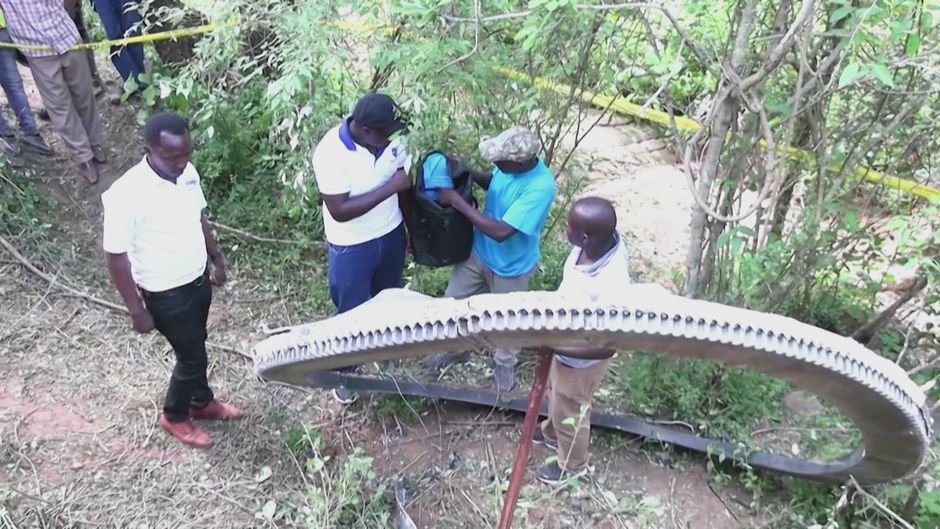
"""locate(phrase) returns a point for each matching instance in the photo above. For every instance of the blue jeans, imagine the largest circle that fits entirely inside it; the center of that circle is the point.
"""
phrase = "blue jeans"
(12, 85)
(357, 273)
(121, 19)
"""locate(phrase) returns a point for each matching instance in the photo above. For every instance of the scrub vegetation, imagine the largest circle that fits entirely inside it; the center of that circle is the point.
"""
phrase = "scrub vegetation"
(798, 99)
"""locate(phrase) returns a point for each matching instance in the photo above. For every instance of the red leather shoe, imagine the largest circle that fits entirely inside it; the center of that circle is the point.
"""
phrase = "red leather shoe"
(186, 432)
(216, 411)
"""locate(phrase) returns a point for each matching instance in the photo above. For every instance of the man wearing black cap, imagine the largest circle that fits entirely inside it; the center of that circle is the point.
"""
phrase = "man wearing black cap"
(360, 172)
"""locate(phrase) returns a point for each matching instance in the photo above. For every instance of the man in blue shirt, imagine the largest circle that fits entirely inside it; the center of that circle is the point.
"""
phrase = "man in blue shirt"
(520, 192)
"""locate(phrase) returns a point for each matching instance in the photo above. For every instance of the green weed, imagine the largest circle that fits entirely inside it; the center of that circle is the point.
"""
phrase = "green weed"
(405, 410)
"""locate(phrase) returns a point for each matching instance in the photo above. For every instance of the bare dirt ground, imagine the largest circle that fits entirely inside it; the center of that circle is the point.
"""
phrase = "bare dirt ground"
(80, 393)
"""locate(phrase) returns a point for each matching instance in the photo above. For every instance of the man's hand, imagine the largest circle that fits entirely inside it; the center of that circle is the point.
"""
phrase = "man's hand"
(218, 276)
(142, 321)
(400, 181)
(448, 197)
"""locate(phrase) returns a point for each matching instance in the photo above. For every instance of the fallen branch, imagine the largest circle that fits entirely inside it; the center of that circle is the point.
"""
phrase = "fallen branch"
(229, 349)
(51, 280)
(724, 504)
(881, 506)
(88, 297)
(763, 431)
(251, 236)
(920, 369)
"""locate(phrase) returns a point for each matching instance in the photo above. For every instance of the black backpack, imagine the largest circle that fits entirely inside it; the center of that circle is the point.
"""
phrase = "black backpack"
(441, 236)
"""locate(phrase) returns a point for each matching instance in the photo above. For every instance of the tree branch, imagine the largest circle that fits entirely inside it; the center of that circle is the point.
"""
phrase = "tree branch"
(782, 48)
(88, 297)
(866, 332)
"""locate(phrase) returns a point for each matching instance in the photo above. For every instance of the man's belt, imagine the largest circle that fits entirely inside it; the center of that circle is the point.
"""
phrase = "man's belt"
(195, 283)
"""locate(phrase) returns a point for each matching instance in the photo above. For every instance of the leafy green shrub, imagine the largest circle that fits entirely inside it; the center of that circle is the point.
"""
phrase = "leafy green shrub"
(718, 400)
(20, 205)
(343, 492)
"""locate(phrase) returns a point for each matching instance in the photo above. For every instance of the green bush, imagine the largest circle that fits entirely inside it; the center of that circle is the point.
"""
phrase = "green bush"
(21, 205)
(718, 400)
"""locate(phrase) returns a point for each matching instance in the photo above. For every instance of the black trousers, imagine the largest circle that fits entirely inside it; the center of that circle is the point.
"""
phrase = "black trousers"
(180, 314)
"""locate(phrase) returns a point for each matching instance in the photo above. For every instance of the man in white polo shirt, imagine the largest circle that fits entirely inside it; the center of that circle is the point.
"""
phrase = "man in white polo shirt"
(360, 173)
(158, 242)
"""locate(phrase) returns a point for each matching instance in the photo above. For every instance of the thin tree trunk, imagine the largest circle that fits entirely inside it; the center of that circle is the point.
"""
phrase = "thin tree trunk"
(725, 111)
(782, 207)
(725, 114)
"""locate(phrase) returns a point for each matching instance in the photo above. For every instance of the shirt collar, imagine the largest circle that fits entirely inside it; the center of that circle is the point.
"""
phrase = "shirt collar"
(593, 268)
(345, 135)
(159, 180)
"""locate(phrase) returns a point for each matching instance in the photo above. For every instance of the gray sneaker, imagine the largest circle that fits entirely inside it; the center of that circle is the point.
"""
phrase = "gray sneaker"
(10, 146)
(36, 143)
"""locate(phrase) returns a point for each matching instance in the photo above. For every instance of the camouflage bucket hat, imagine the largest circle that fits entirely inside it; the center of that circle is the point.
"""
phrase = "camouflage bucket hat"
(516, 144)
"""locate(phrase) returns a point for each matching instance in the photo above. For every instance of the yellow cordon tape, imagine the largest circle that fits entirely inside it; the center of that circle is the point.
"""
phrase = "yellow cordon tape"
(140, 39)
(622, 106)
(617, 104)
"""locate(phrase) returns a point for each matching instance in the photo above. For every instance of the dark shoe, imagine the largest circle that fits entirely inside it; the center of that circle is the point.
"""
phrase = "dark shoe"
(101, 155)
(344, 396)
(505, 378)
(437, 362)
(552, 474)
(89, 171)
(186, 432)
(539, 438)
(43, 114)
(216, 411)
(37, 144)
(10, 146)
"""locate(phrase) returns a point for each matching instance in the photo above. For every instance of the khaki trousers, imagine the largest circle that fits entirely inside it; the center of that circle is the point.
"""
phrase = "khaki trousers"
(473, 277)
(570, 393)
(64, 82)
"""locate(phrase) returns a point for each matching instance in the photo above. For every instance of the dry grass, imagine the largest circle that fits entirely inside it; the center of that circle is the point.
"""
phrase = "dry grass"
(80, 444)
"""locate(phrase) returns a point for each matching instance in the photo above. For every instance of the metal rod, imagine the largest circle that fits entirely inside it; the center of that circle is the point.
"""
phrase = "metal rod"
(525, 442)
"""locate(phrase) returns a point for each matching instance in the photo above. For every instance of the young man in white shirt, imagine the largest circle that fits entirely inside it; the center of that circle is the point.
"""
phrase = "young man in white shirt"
(597, 265)
(158, 242)
(361, 177)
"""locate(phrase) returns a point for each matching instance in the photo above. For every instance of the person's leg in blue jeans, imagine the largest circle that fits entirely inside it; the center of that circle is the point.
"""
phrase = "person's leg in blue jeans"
(359, 272)
(391, 268)
(128, 60)
(391, 265)
(131, 20)
(350, 272)
(12, 85)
